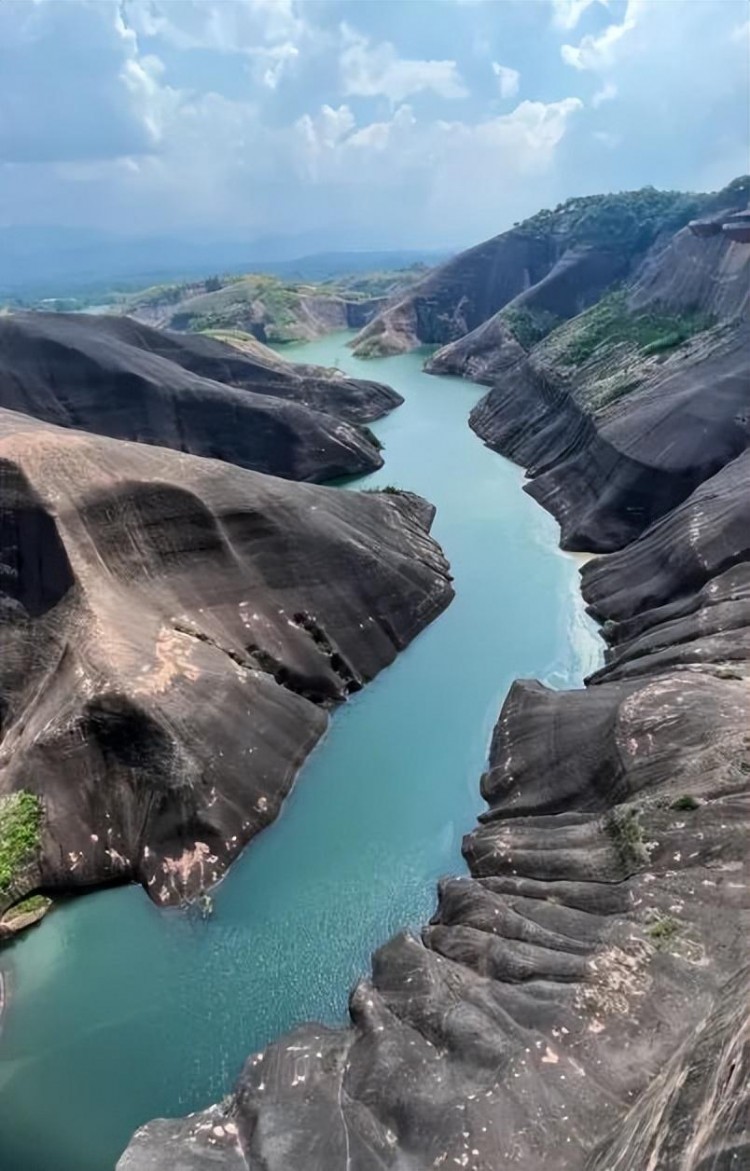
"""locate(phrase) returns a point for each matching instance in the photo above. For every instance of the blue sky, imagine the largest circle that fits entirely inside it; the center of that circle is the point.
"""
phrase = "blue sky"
(401, 122)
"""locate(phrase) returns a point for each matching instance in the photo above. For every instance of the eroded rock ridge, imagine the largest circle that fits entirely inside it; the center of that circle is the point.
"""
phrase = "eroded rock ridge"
(580, 999)
(174, 632)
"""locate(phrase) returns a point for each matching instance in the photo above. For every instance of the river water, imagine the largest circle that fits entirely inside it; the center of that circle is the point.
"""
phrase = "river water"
(119, 1012)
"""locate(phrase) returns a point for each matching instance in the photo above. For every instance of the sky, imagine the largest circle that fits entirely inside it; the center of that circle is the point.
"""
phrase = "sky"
(394, 123)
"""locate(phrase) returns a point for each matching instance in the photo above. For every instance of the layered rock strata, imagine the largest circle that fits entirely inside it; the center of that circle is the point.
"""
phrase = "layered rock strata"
(616, 431)
(116, 377)
(552, 265)
(579, 1001)
(173, 633)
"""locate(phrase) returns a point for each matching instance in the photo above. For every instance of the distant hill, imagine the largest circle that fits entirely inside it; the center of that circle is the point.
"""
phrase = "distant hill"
(266, 306)
(62, 262)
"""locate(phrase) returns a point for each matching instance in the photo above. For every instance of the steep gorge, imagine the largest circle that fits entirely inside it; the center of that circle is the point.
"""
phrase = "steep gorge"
(579, 1001)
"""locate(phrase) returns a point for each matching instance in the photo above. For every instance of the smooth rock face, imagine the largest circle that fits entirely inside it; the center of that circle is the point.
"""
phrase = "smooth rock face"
(579, 1000)
(174, 631)
(556, 263)
(618, 441)
(696, 1114)
(117, 377)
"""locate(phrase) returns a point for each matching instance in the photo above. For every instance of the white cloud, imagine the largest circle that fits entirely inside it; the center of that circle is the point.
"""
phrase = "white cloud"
(273, 62)
(605, 94)
(74, 86)
(567, 13)
(606, 138)
(327, 128)
(599, 52)
(371, 70)
(268, 32)
(522, 141)
(741, 32)
(154, 115)
(225, 26)
(507, 79)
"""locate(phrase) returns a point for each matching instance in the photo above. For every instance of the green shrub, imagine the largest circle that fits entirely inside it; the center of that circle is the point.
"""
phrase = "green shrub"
(610, 322)
(624, 827)
(686, 802)
(663, 930)
(20, 826)
(626, 220)
(529, 326)
(27, 907)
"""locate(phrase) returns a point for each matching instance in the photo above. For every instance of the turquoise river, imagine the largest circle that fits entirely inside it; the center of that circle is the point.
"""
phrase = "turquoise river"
(118, 1012)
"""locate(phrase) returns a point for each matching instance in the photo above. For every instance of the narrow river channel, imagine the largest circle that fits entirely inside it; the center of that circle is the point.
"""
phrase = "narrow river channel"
(119, 1012)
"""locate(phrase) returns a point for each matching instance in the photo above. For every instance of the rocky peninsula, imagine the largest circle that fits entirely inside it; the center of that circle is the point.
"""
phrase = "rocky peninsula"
(176, 629)
(117, 377)
(579, 1000)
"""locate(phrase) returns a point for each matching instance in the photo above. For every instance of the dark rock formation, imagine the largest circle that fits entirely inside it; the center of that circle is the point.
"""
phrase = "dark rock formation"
(696, 1114)
(737, 227)
(555, 263)
(578, 1001)
(117, 377)
(173, 632)
(617, 429)
(607, 477)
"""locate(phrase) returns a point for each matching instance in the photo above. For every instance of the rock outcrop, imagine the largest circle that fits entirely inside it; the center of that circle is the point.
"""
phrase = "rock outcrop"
(117, 377)
(579, 1000)
(607, 474)
(173, 632)
(546, 269)
(622, 411)
(262, 306)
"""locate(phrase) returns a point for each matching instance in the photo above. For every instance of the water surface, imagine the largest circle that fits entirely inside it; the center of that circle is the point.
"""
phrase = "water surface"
(119, 1012)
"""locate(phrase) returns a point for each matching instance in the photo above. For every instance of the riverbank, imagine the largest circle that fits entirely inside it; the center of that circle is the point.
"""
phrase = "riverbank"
(376, 817)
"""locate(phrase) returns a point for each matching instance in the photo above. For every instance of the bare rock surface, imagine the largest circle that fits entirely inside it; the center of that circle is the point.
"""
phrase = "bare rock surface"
(173, 632)
(555, 264)
(579, 1001)
(616, 434)
(117, 377)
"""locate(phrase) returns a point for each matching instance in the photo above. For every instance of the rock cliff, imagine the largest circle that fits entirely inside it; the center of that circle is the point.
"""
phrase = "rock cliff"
(579, 1000)
(621, 411)
(546, 269)
(173, 632)
(268, 308)
(117, 377)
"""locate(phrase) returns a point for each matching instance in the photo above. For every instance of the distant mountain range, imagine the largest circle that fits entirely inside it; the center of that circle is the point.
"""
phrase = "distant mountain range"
(55, 262)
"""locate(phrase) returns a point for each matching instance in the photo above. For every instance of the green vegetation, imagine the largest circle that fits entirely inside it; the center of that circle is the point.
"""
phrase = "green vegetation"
(626, 220)
(686, 802)
(388, 489)
(20, 825)
(624, 827)
(373, 347)
(236, 303)
(610, 323)
(232, 302)
(27, 906)
(663, 930)
(381, 283)
(529, 326)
